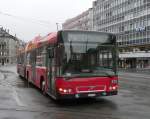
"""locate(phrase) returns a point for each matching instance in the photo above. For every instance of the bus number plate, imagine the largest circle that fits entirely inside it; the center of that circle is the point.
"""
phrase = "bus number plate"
(91, 95)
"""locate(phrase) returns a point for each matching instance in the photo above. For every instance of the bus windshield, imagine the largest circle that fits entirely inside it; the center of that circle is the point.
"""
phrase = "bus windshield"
(88, 54)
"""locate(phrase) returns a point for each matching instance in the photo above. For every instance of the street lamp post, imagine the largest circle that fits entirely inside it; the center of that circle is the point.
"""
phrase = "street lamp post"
(57, 26)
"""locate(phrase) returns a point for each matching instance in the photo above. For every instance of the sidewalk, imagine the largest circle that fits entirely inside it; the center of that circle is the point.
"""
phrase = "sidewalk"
(11, 67)
(144, 70)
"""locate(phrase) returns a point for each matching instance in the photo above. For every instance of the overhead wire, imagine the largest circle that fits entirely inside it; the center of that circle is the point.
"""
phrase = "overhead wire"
(40, 22)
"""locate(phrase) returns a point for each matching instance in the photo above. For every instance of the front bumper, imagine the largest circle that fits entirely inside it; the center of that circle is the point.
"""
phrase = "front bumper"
(86, 95)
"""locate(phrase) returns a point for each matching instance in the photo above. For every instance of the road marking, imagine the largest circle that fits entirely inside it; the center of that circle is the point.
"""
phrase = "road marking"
(1, 76)
(16, 97)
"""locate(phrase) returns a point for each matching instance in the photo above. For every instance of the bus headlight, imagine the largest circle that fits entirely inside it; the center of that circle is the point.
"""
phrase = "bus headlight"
(113, 88)
(114, 81)
(69, 90)
(60, 89)
(65, 90)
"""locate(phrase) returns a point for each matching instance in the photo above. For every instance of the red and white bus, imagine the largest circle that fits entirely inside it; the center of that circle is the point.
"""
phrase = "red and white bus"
(71, 64)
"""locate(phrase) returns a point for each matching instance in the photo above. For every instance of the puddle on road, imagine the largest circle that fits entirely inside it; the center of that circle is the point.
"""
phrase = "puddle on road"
(22, 83)
(7, 73)
(25, 85)
(95, 103)
(11, 79)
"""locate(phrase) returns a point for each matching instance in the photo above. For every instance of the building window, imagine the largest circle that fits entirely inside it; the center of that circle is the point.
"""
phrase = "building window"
(121, 28)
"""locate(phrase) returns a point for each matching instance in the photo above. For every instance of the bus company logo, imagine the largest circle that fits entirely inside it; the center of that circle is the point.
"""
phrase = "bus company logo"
(91, 87)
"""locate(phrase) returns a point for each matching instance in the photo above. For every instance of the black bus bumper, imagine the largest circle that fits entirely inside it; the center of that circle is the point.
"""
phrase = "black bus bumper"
(86, 95)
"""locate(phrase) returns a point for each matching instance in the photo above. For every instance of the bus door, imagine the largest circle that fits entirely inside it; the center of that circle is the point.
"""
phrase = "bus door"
(33, 66)
(51, 70)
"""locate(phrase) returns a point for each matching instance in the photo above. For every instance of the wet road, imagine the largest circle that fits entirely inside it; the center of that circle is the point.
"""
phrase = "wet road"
(17, 101)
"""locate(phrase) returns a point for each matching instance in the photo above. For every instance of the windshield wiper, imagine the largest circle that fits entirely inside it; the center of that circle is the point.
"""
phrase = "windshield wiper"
(71, 77)
(107, 74)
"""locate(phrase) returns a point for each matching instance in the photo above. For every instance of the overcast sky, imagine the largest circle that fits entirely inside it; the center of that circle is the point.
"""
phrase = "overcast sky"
(28, 18)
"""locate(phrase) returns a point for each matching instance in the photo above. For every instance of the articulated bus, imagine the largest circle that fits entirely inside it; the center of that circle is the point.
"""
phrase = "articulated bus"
(71, 64)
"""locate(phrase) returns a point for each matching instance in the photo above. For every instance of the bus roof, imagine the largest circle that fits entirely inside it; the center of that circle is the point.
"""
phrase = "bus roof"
(38, 41)
(68, 30)
(51, 38)
(20, 51)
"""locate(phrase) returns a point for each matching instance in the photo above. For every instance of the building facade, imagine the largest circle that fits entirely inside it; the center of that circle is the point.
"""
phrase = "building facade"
(8, 47)
(130, 21)
(84, 21)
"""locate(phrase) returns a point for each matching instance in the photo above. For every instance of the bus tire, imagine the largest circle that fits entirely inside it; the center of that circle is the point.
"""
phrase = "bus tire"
(27, 78)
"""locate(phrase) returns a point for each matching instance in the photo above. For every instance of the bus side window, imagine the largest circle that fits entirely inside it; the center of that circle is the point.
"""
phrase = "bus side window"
(51, 53)
(28, 58)
(40, 57)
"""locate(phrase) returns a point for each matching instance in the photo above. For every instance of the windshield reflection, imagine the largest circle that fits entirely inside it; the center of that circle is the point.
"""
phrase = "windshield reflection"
(88, 60)
(88, 54)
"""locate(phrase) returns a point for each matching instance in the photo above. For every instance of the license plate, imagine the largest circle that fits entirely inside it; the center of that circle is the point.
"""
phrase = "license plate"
(91, 95)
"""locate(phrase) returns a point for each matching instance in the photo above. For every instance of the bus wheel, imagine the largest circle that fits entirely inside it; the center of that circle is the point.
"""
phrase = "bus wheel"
(27, 78)
(43, 87)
